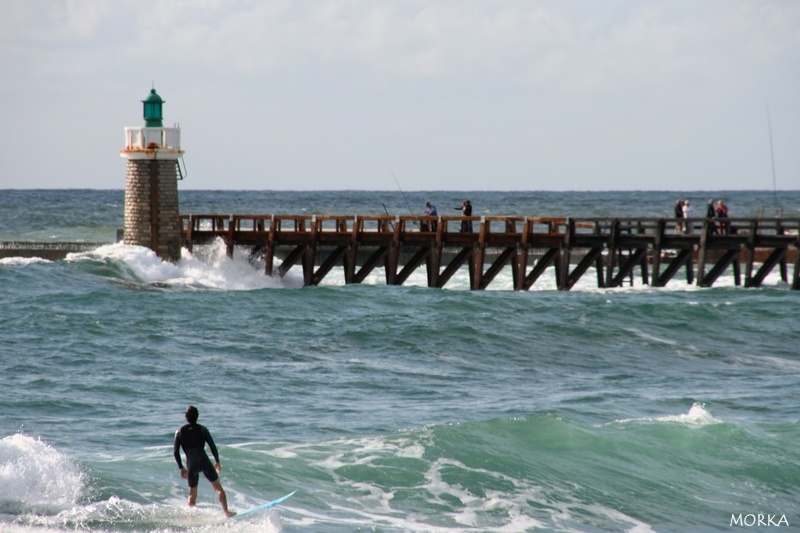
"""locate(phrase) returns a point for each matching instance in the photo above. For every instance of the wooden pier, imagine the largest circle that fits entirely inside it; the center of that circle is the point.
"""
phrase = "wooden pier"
(657, 248)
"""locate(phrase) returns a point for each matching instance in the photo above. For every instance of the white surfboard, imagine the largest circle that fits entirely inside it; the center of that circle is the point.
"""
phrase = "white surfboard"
(263, 506)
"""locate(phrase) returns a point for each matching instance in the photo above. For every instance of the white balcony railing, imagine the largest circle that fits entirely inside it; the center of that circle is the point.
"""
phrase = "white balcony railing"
(153, 138)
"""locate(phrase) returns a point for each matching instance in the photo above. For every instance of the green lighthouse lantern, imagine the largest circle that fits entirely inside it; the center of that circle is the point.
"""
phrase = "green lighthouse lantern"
(153, 114)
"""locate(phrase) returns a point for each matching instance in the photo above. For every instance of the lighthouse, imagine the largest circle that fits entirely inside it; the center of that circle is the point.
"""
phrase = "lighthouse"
(151, 188)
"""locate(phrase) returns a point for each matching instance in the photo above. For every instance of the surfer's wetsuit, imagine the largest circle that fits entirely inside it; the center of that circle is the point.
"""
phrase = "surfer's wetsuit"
(193, 438)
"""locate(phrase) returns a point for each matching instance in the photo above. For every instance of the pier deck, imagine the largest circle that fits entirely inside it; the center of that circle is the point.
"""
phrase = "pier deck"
(617, 247)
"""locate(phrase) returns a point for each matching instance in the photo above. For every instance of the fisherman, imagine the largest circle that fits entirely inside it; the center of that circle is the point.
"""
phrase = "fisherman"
(193, 438)
(430, 210)
(466, 210)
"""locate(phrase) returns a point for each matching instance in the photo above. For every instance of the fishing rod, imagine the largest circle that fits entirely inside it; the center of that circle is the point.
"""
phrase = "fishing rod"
(387, 212)
(772, 155)
(404, 197)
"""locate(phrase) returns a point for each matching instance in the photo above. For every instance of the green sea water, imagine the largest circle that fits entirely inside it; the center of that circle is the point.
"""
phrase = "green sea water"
(388, 408)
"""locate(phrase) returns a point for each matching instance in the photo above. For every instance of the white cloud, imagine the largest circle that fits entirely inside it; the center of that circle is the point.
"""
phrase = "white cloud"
(459, 87)
(49, 21)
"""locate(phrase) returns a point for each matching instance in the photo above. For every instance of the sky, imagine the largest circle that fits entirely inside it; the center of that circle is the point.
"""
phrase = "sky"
(422, 95)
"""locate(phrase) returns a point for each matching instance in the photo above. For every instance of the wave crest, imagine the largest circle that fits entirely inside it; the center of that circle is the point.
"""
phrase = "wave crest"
(33, 473)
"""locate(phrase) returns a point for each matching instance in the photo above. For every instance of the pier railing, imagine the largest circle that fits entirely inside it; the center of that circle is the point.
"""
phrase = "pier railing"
(658, 247)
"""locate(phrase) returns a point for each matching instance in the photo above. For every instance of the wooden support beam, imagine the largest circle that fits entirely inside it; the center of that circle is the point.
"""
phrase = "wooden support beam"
(370, 264)
(434, 261)
(781, 232)
(309, 260)
(702, 252)
(473, 277)
(737, 273)
(521, 266)
(269, 249)
(349, 263)
(598, 265)
(326, 266)
(783, 268)
(724, 262)
(626, 267)
(351, 256)
(291, 259)
(412, 264)
(613, 251)
(476, 272)
(592, 256)
(230, 239)
(750, 247)
(521, 263)
(393, 257)
(796, 276)
(659, 237)
(644, 267)
(502, 260)
(550, 257)
(680, 259)
(777, 255)
(566, 255)
(462, 257)
(187, 241)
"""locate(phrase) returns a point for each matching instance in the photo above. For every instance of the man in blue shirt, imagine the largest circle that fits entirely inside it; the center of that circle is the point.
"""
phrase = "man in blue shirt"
(430, 210)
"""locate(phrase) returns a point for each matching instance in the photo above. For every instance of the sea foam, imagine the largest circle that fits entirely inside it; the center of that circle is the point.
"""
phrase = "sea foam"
(697, 416)
(207, 268)
(34, 473)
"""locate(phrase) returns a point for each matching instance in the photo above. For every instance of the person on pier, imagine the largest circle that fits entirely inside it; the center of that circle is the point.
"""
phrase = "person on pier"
(678, 215)
(712, 214)
(466, 210)
(430, 211)
(722, 213)
(688, 212)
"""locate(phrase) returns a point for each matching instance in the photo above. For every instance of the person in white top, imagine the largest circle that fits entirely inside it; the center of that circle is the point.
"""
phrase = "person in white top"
(688, 212)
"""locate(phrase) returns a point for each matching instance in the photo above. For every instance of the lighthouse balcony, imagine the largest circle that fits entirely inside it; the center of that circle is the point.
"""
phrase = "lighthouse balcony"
(150, 143)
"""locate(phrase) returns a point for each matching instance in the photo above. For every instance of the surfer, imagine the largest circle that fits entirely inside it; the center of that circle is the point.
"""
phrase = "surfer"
(193, 437)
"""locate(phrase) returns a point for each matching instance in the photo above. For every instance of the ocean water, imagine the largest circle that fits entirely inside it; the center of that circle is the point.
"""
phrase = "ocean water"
(389, 409)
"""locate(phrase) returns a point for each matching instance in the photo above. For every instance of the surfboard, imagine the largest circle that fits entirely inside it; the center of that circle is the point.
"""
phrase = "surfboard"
(263, 506)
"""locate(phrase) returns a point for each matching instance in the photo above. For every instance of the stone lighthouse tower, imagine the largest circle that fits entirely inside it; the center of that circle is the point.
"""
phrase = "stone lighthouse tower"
(151, 188)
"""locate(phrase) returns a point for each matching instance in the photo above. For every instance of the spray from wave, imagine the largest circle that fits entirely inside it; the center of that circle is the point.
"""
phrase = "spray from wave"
(47, 491)
(207, 268)
(697, 416)
(35, 475)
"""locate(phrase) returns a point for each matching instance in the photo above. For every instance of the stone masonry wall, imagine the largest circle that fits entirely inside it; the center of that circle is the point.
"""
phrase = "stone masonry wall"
(137, 208)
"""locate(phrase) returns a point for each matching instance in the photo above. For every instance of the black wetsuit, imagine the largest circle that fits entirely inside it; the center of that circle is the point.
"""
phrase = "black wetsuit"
(193, 438)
